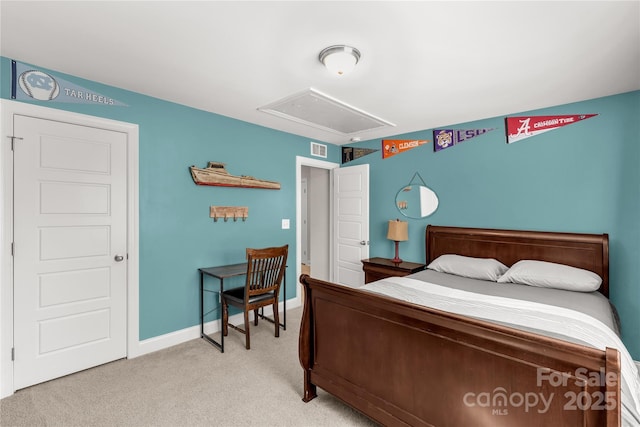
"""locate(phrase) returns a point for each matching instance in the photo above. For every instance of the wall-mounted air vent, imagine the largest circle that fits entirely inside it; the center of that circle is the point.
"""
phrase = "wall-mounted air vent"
(318, 150)
(321, 111)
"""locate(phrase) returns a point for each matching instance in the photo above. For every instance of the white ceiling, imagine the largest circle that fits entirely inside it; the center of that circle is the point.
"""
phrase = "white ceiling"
(424, 64)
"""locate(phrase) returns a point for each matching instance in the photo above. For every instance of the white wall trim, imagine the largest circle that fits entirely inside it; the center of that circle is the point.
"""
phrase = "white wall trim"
(315, 163)
(8, 109)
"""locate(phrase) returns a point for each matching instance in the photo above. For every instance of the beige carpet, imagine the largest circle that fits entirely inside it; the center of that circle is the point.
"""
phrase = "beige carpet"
(305, 269)
(191, 384)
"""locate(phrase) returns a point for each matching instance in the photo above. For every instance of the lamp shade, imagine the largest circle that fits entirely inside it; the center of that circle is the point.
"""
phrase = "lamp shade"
(398, 230)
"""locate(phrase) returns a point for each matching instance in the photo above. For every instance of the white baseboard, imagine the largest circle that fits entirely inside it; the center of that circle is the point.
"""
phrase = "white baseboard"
(178, 337)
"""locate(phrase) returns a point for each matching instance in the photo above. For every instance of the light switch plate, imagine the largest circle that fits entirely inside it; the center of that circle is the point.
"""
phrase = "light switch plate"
(285, 224)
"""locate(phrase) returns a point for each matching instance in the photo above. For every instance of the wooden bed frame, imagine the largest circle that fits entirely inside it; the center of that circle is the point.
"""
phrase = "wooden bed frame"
(404, 364)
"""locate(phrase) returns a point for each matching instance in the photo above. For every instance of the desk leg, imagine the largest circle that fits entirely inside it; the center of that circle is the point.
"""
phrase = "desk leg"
(221, 327)
(201, 304)
(218, 345)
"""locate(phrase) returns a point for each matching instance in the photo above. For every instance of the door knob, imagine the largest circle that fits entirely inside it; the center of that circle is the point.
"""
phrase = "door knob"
(363, 243)
(118, 258)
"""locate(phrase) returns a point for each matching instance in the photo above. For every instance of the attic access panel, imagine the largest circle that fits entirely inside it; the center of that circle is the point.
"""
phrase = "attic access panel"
(313, 108)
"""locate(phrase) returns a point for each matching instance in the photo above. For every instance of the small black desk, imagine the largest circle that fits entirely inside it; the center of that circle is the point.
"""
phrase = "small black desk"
(221, 273)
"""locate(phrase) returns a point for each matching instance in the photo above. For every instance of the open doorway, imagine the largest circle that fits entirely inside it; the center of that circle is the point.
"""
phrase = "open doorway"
(313, 219)
(315, 222)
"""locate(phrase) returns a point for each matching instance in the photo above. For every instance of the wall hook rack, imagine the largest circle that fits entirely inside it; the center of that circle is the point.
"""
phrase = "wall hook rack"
(226, 212)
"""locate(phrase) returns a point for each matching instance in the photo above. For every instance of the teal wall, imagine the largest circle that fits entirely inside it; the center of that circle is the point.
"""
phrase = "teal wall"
(582, 178)
(176, 234)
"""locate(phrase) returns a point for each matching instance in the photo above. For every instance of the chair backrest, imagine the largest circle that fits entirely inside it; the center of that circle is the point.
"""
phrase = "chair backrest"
(265, 269)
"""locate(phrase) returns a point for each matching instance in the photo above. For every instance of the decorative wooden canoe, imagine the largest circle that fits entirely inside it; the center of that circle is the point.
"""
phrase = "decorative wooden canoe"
(216, 174)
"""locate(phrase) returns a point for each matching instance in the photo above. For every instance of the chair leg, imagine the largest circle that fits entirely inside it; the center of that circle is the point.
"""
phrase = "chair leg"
(255, 317)
(225, 318)
(276, 317)
(246, 329)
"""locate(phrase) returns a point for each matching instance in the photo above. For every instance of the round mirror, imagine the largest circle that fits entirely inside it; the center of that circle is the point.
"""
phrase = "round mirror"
(416, 201)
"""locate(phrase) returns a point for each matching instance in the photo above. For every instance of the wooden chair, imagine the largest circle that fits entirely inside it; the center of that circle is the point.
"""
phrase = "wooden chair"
(265, 270)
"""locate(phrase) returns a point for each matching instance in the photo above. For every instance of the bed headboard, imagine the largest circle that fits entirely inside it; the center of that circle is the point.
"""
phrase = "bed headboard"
(586, 251)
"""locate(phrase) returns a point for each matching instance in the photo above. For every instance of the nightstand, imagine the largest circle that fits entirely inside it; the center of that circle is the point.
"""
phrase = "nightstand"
(379, 268)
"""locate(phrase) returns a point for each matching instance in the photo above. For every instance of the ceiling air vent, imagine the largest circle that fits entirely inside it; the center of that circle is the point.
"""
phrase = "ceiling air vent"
(318, 150)
(321, 111)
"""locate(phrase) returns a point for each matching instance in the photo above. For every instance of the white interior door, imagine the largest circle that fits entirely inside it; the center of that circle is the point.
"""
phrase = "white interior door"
(70, 262)
(351, 226)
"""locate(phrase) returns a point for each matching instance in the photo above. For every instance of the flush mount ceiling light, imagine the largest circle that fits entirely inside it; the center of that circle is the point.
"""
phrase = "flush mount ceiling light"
(339, 59)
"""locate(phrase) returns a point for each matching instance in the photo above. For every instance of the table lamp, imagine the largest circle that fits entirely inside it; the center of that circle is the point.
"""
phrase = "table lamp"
(398, 232)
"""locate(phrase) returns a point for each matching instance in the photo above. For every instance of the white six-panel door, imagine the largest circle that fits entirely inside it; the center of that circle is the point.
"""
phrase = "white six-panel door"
(70, 234)
(351, 222)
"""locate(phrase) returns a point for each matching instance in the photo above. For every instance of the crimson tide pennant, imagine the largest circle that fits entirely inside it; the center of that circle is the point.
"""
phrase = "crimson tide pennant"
(519, 128)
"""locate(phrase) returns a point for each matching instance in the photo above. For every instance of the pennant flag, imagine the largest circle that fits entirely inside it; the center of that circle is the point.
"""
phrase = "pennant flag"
(352, 153)
(28, 83)
(445, 138)
(391, 147)
(519, 128)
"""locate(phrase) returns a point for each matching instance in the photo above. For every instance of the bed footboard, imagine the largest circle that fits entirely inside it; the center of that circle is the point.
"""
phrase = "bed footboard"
(402, 364)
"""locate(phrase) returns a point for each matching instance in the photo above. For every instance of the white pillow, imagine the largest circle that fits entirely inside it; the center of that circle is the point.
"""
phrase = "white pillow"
(475, 268)
(551, 275)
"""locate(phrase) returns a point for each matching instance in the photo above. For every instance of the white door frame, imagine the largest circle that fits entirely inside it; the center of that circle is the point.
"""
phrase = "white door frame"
(315, 163)
(7, 110)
